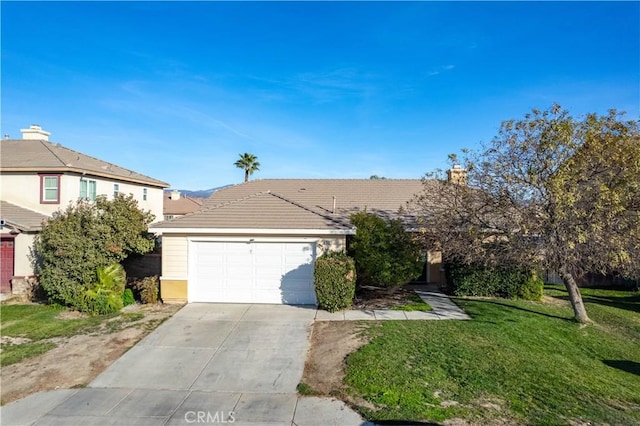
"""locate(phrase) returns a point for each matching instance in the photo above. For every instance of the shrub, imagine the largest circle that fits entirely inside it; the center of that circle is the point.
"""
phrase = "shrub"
(335, 281)
(385, 253)
(148, 288)
(127, 297)
(86, 236)
(106, 294)
(501, 281)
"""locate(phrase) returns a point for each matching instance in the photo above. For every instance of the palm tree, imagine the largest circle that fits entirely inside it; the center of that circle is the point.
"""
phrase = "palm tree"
(249, 163)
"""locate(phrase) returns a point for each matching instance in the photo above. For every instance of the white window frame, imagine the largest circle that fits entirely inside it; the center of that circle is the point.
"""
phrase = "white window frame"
(43, 197)
(88, 189)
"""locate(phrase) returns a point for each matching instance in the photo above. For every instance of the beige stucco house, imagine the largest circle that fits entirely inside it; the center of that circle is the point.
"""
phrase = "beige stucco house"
(39, 177)
(257, 242)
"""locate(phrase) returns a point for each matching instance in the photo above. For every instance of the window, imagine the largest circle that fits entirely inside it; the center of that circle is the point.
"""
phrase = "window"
(50, 189)
(168, 216)
(116, 190)
(88, 190)
(144, 194)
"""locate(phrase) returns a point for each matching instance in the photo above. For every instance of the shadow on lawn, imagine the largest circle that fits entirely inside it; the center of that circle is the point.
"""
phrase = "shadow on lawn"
(628, 366)
(628, 303)
(517, 308)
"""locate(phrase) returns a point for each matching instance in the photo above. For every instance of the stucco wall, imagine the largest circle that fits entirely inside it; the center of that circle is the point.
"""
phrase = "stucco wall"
(23, 189)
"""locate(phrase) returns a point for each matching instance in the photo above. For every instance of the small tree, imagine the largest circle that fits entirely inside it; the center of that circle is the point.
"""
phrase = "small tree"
(249, 163)
(550, 192)
(385, 253)
(86, 236)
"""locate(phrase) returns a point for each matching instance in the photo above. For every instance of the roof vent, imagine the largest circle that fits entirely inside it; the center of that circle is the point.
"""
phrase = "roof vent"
(35, 132)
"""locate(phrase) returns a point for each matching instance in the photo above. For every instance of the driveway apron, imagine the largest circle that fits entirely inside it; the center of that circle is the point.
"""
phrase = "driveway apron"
(208, 364)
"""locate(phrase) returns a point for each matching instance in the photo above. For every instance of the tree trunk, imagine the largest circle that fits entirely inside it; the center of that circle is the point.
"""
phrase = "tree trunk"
(246, 175)
(575, 297)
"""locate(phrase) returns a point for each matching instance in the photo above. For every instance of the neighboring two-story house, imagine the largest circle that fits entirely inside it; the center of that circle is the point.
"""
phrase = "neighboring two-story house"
(39, 177)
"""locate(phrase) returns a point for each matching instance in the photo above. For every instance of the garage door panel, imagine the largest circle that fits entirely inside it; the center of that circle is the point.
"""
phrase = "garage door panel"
(258, 272)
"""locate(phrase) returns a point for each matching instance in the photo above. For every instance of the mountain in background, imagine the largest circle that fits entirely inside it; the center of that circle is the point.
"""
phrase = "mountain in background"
(202, 193)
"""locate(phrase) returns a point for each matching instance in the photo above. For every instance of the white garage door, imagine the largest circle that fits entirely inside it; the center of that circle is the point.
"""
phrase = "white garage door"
(256, 272)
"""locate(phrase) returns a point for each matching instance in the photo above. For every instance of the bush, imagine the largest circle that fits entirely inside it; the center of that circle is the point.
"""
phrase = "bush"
(501, 281)
(84, 237)
(127, 297)
(385, 253)
(106, 294)
(148, 288)
(335, 281)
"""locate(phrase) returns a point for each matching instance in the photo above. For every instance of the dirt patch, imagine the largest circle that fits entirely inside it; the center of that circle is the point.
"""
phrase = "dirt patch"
(382, 298)
(77, 360)
(554, 301)
(331, 342)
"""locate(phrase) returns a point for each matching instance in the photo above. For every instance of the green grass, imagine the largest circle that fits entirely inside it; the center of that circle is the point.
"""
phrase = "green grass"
(16, 353)
(38, 323)
(415, 304)
(526, 362)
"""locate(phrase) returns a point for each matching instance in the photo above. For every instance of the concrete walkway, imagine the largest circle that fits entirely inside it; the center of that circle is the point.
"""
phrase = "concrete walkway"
(443, 309)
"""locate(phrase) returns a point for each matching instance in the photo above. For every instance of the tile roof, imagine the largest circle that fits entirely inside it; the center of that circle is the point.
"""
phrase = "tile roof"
(42, 156)
(264, 210)
(21, 218)
(290, 203)
(182, 205)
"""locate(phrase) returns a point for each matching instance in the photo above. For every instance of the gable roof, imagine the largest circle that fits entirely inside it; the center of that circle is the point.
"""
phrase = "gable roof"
(19, 155)
(264, 210)
(21, 218)
(289, 203)
(182, 205)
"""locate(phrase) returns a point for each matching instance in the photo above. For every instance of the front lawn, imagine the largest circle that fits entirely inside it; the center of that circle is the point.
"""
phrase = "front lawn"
(27, 330)
(515, 362)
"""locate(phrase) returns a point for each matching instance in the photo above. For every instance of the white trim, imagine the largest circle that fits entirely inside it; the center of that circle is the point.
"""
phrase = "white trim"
(250, 239)
(250, 231)
(162, 277)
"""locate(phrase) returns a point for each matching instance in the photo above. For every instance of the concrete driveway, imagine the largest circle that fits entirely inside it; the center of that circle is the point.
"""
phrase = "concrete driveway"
(209, 363)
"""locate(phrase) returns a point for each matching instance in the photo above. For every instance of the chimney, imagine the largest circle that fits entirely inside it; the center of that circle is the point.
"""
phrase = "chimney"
(457, 175)
(175, 194)
(35, 132)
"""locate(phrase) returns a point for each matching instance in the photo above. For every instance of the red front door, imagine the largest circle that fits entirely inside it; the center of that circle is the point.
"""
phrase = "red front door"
(6, 264)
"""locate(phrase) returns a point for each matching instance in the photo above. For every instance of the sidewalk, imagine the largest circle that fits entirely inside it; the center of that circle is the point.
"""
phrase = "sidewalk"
(443, 309)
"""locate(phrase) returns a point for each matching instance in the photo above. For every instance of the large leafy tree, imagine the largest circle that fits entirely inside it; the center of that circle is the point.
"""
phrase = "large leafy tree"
(86, 236)
(249, 163)
(550, 191)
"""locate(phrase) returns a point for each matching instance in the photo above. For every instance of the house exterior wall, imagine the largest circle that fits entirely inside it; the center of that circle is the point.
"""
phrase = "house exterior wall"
(23, 189)
(174, 281)
(435, 270)
(22, 254)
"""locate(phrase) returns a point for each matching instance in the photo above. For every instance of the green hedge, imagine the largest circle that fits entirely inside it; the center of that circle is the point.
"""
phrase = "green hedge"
(335, 281)
(502, 281)
(386, 254)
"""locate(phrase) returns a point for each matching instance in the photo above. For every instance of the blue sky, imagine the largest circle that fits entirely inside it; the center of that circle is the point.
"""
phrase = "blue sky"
(314, 89)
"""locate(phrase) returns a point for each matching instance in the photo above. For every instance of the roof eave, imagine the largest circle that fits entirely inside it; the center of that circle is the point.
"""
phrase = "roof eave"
(21, 228)
(157, 183)
(256, 231)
